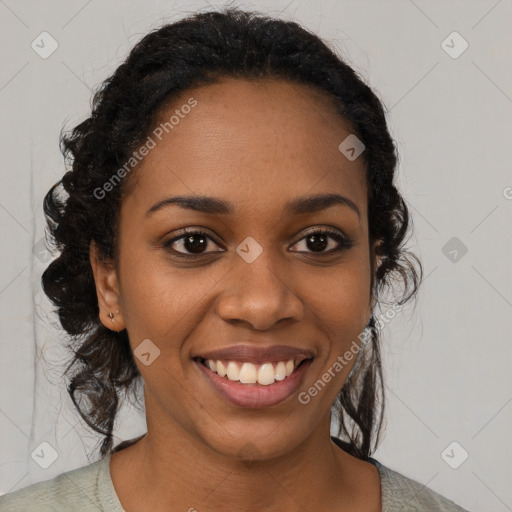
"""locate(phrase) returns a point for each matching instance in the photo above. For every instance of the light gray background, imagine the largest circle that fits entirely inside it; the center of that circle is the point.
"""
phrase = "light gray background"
(447, 363)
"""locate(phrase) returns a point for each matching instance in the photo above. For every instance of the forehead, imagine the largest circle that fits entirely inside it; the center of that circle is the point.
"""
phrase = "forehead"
(260, 140)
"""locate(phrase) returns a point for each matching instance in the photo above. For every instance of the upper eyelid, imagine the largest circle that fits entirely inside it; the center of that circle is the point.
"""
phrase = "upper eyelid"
(313, 230)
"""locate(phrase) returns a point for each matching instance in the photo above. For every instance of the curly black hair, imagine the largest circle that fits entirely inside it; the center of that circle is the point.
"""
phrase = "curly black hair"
(197, 50)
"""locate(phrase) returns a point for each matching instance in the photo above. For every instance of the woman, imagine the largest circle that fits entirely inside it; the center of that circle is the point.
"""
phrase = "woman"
(230, 226)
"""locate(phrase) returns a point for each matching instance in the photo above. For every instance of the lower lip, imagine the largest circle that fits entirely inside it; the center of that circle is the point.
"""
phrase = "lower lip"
(255, 396)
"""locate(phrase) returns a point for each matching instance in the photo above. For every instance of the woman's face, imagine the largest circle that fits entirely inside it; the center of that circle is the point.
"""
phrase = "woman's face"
(256, 279)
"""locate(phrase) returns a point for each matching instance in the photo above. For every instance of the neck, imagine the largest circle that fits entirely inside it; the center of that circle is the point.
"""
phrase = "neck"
(187, 475)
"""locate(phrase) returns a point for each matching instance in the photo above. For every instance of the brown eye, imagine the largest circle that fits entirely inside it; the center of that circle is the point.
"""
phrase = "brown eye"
(320, 240)
(196, 243)
(190, 244)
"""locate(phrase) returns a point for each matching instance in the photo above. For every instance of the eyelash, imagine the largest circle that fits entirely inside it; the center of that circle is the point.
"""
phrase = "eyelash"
(343, 241)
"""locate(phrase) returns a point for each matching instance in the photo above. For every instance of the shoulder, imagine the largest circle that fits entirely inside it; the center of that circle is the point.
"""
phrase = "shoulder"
(398, 490)
(86, 488)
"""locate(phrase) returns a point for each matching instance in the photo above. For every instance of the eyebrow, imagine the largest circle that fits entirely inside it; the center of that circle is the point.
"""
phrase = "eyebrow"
(214, 205)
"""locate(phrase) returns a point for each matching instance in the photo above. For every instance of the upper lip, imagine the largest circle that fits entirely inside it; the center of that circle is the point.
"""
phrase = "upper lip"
(258, 354)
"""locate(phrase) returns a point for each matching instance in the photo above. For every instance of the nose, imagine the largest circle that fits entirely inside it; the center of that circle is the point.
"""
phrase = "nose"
(259, 294)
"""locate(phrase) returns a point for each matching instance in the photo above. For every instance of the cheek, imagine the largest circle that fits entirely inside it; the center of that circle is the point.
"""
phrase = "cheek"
(160, 302)
(340, 296)
(341, 308)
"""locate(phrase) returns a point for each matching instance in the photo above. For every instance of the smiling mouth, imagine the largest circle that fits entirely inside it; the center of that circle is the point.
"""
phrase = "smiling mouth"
(249, 373)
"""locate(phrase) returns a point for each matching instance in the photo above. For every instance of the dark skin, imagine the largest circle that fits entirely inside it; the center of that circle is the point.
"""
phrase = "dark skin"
(257, 144)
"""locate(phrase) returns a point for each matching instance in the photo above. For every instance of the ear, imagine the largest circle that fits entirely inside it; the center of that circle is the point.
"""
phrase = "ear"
(107, 290)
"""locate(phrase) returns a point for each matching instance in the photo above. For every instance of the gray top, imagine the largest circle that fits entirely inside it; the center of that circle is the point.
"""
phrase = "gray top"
(90, 489)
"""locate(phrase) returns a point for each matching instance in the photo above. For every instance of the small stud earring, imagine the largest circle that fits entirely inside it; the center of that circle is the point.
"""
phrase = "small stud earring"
(111, 315)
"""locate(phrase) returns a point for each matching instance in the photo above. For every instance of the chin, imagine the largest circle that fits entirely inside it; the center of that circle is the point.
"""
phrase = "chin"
(255, 443)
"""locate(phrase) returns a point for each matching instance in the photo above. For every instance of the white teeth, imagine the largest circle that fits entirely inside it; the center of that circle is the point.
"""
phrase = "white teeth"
(233, 372)
(221, 369)
(266, 374)
(249, 373)
(281, 371)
